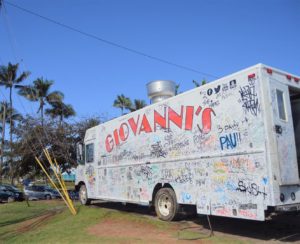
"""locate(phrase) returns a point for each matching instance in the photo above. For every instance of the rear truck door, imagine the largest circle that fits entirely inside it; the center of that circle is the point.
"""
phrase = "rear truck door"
(284, 134)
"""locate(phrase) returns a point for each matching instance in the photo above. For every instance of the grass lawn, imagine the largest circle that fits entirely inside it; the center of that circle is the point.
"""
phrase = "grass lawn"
(65, 228)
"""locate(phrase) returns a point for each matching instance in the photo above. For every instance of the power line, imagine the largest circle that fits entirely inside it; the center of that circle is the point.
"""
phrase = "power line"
(109, 42)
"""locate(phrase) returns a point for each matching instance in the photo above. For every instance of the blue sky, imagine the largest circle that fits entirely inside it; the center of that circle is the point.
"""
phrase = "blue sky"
(217, 37)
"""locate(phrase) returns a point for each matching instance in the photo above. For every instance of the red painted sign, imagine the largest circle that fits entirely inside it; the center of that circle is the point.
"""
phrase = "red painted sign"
(184, 120)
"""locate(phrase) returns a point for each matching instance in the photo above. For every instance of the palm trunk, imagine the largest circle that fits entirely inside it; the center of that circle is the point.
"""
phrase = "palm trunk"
(61, 120)
(2, 140)
(10, 130)
(42, 114)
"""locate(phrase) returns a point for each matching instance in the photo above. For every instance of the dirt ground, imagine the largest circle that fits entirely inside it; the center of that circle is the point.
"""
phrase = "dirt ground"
(135, 231)
(282, 228)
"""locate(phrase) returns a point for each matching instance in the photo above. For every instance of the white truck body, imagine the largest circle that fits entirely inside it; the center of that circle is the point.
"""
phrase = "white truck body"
(229, 147)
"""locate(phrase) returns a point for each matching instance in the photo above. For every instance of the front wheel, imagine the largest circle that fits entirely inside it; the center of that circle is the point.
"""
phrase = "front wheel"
(166, 206)
(83, 197)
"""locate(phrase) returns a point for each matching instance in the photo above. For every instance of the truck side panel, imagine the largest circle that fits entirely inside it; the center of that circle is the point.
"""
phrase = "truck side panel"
(207, 144)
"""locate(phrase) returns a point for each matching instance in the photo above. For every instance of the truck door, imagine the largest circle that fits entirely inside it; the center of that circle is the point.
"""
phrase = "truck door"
(90, 170)
(284, 133)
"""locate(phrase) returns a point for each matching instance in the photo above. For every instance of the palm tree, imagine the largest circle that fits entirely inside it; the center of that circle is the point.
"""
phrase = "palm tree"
(177, 86)
(40, 92)
(6, 116)
(122, 102)
(61, 110)
(10, 79)
(3, 118)
(137, 104)
(198, 84)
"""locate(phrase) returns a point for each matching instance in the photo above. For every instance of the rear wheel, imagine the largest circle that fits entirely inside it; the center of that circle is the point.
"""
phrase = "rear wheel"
(83, 197)
(166, 206)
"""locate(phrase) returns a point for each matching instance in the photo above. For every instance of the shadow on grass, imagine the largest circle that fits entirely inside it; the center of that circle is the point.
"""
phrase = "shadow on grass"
(284, 228)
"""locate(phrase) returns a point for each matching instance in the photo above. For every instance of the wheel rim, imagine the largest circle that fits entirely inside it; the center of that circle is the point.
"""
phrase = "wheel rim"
(165, 205)
(82, 194)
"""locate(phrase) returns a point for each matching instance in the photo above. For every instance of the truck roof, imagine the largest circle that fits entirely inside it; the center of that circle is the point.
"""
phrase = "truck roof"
(259, 65)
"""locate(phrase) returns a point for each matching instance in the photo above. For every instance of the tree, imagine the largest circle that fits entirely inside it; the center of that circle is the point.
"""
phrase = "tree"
(198, 84)
(3, 117)
(32, 138)
(9, 78)
(122, 102)
(15, 117)
(61, 110)
(177, 89)
(40, 92)
(137, 104)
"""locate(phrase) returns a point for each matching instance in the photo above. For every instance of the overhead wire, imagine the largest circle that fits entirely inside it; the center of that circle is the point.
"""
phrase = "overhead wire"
(8, 27)
(108, 42)
(38, 135)
(63, 192)
(14, 48)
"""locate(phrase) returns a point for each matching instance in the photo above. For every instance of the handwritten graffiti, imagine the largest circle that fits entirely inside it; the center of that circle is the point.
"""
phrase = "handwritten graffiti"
(229, 127)
(184, 178)
(251, 188)
(146, 171)
(230, 141)
(248, 206)
(157, 150)
(186, 197)
(247, 214)
(181, 175)
(250, 98)
(91, 174)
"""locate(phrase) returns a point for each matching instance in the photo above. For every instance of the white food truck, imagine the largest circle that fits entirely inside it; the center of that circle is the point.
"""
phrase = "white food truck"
(230, 148)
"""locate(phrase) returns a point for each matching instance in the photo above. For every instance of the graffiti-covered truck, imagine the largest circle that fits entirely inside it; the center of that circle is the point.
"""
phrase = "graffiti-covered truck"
(229, 148)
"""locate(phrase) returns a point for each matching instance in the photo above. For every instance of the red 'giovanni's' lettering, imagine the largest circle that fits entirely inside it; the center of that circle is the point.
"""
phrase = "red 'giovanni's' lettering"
(134, 124)
(145, 126)
(206, 119)
(185, 119)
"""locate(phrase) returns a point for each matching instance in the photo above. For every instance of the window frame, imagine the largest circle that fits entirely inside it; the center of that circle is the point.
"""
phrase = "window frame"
(281, 112)
(87, 159)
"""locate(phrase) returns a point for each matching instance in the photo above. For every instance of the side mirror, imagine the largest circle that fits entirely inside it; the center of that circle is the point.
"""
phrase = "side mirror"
(79, 154)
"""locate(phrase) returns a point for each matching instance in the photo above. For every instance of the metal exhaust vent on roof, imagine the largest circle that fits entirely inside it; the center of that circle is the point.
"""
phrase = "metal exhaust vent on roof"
(160, 90)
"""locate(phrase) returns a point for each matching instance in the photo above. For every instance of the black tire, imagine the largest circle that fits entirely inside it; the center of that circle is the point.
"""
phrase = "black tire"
(48, 197)
(83, 196)
(166, 206)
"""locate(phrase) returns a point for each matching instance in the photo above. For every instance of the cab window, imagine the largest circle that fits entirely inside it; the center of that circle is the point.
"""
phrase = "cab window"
(281, 105)
(89, 149)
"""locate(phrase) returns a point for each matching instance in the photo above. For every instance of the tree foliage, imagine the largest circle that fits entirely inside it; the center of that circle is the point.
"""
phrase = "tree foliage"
(40, 92)
(122, 102)
(137, 104)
